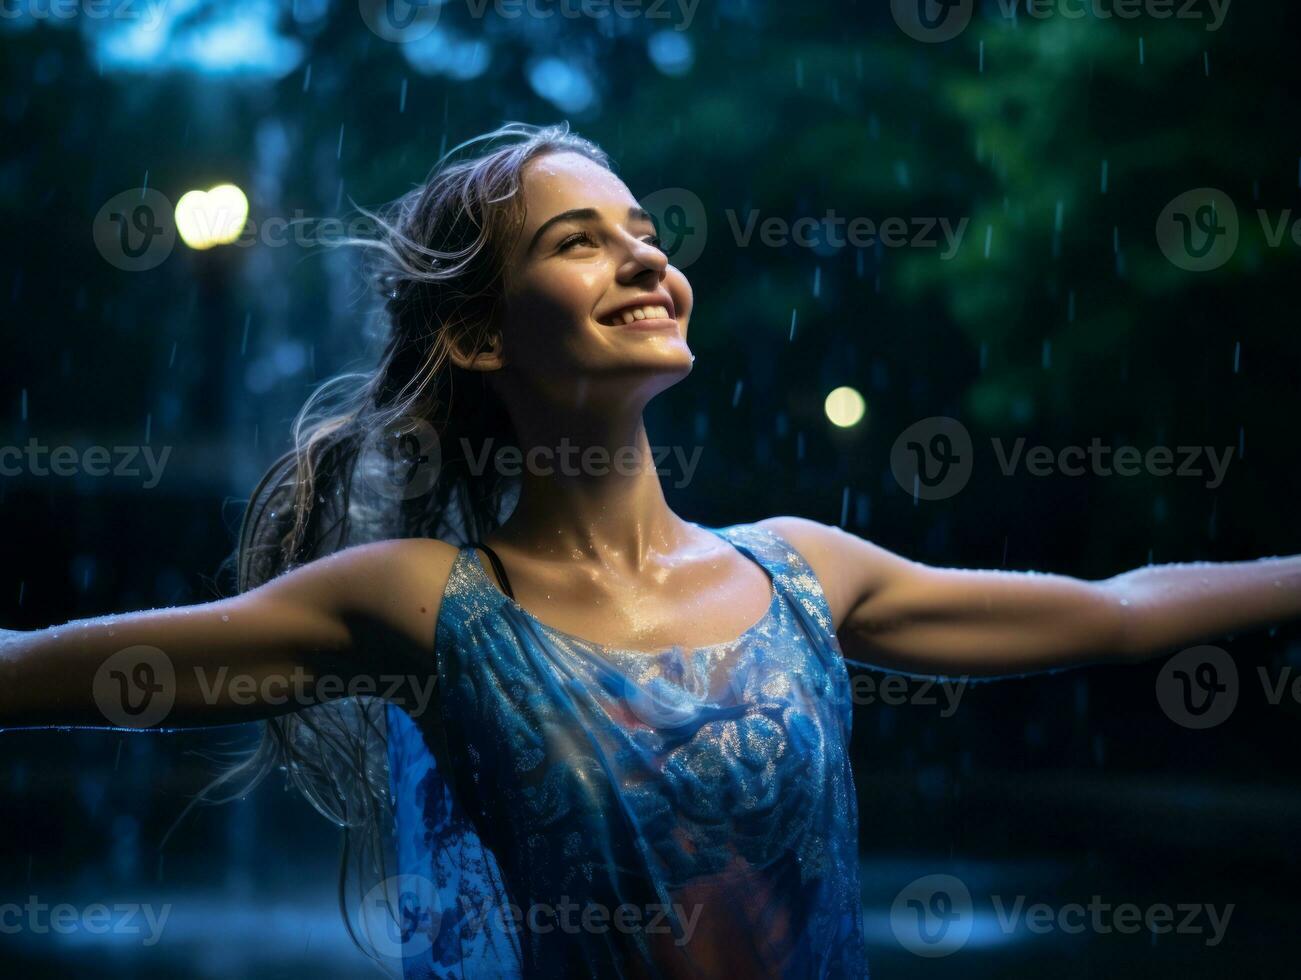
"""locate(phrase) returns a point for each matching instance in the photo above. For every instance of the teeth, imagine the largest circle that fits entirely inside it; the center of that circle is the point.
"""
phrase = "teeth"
(643, 313)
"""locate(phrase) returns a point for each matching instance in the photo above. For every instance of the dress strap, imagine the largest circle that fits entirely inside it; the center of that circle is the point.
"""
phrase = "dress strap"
(497, 567)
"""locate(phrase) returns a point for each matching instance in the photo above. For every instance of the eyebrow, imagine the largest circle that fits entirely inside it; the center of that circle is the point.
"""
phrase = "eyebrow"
(584, 214)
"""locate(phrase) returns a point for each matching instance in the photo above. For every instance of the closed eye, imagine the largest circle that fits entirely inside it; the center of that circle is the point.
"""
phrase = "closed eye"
(574, 239)
(582, 237)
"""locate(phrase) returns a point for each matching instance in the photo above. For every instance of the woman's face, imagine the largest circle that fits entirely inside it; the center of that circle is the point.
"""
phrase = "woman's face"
(586, 259)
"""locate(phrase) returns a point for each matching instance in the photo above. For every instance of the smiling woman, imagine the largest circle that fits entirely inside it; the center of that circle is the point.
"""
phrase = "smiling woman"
(636, 761)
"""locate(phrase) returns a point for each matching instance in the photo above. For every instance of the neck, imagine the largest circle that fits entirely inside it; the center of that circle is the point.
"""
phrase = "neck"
(589, 490)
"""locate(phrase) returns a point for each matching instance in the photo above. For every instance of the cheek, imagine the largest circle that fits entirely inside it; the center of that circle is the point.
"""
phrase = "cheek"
(550, 314)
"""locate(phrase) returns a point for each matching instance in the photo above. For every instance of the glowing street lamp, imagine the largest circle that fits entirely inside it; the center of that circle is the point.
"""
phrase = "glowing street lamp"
(845, 407)
(212, 217)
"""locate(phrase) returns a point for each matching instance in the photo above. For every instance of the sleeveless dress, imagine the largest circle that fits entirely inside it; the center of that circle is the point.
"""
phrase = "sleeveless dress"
(591, 812)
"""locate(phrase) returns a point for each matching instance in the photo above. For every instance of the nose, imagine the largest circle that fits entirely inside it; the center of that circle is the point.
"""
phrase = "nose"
(644, 260)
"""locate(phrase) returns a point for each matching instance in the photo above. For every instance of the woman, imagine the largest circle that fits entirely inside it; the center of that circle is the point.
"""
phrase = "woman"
(634, 758)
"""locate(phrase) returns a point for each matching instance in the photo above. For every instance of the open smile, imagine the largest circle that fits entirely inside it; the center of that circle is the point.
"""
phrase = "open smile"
(653, 312)
(642, 318)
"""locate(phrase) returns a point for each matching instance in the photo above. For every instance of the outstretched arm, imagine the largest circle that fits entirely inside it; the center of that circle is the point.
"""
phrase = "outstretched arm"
(906, 616)
(324, 630)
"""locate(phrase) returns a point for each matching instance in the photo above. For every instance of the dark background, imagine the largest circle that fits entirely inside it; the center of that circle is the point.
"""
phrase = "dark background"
(1058, 320)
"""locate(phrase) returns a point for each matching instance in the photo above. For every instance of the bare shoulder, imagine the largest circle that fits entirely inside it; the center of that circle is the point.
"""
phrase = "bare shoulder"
(850, 568)
(392, 590)
(412, 571)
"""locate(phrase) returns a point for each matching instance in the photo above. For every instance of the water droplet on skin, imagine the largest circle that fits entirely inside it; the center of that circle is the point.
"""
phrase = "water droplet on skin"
(1124, 602)
(225, 618)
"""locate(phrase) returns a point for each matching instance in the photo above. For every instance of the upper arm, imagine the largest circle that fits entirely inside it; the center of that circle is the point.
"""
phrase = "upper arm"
(364, 612)
(374, 604)
(909, 616)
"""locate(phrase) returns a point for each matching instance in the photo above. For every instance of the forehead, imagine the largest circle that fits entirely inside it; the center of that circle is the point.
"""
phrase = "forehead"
(558, 182)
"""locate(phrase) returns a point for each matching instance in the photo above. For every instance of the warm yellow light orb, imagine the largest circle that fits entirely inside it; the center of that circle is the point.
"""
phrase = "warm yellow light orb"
(212, 217)
(845, 407)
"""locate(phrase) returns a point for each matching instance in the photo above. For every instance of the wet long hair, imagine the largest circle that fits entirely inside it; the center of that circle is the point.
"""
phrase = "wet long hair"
(367, 446)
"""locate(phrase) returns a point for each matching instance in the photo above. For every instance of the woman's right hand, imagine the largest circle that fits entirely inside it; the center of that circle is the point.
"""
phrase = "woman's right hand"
(359, 622)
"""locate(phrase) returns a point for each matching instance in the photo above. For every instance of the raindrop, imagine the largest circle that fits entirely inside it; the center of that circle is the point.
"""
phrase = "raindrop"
(1106, 167)
(338, 152)
(736, 393)
(793, 315)
(307, 77)
(1237, 356)
(402, 98)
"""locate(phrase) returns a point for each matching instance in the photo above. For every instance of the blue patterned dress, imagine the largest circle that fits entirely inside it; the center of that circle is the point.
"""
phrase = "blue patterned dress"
(581, 811)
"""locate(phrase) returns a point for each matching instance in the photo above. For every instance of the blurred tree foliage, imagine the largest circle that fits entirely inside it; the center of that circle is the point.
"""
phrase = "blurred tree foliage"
(1054, 143)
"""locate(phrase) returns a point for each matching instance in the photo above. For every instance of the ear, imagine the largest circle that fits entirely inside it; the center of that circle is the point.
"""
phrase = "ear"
(486, 356)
